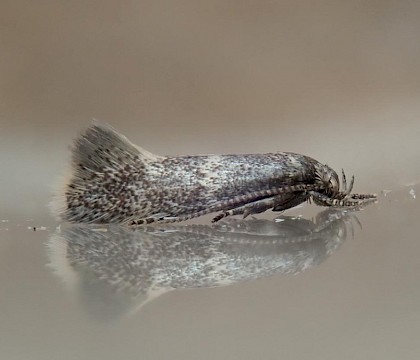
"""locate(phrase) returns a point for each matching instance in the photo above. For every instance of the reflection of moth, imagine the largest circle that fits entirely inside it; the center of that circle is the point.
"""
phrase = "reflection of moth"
(120, 266)
(115, 181)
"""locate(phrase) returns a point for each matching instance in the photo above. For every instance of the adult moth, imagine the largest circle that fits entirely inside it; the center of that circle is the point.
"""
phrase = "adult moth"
(112, 180)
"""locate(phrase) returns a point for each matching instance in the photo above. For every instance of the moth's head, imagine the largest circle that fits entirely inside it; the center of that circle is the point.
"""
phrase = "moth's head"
(329, 178)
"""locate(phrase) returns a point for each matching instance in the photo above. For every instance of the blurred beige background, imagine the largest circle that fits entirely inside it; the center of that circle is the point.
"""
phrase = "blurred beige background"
(336, 80)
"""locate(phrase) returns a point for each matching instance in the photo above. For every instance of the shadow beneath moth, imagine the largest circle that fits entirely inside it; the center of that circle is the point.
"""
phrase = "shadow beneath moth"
(112, 180)
(115, 270)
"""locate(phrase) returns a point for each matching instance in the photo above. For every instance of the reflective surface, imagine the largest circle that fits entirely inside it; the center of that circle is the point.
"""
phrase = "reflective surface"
(335, 80)
(320, 287)
(125, 268)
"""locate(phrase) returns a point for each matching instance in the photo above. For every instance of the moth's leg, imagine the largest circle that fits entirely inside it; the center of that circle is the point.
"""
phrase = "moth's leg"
(290, 201)
(246, 199)
(255, 207)
(363, 196)
(141, 221)
(281, 194)
(234, 204)
(277, 203)
(346, 194)
(238, 202)
(321, 199)
(153, 219)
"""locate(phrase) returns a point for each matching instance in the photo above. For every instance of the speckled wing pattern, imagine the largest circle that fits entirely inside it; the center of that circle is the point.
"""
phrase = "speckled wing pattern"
(114, 181)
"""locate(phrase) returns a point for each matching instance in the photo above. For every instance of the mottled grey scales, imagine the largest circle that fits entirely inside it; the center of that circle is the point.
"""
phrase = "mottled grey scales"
(115, 181)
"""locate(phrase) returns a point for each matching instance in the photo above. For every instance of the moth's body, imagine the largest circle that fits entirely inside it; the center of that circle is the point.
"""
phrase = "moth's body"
(114, 180)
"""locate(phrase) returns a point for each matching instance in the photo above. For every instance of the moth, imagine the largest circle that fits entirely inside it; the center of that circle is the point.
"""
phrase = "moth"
(111, 180)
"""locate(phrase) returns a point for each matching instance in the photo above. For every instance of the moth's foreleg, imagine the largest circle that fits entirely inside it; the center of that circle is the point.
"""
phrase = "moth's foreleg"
(324, 200)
